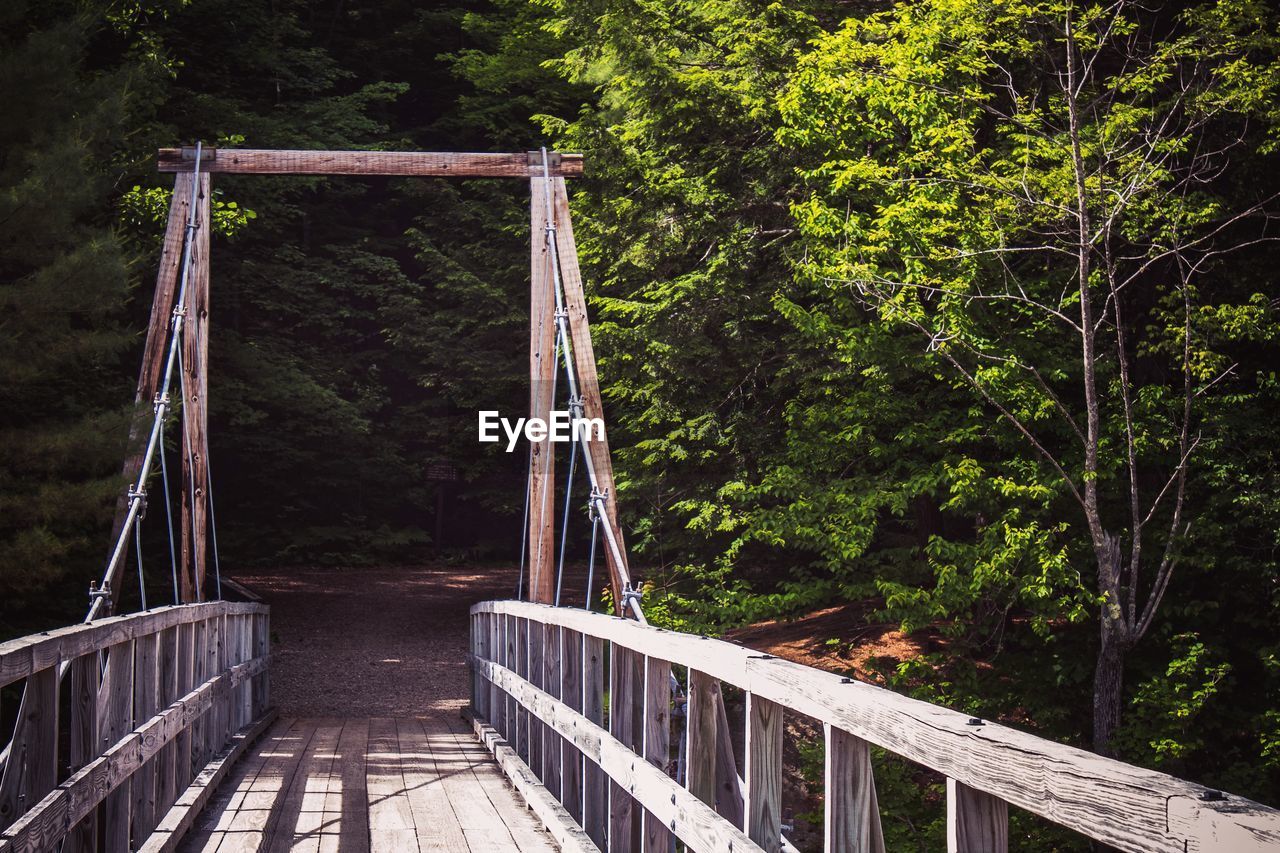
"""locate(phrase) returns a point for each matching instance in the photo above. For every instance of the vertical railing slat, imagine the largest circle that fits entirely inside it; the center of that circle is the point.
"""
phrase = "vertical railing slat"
(116, 722)
(976, 821)
(595, 797)
(657, 740)
(851, 821)
(551, 683)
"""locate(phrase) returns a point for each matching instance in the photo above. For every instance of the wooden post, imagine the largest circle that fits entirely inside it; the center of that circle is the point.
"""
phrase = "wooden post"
(764, 772)
(729, 801)
(154, 351)
(146, 694)
(595, 797)
(624, 828)
(571, 695)
(851, 820)
(86, 678)
(976, 821)
(657, 741)
(534, 674)
(195, 418)
(542, 369)
(703, 719)
(584, 360)
(551, 742)
(32, 768)
(116, 722)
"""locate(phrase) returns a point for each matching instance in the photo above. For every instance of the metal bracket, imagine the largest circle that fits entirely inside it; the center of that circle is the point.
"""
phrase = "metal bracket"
(103, 592)
(141, 497)
(630, 594)
(535, 160)
(160, 400)
(207, 155)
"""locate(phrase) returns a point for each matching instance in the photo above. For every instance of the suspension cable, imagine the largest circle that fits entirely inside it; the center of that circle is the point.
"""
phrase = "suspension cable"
(137, 544)
(162, 399)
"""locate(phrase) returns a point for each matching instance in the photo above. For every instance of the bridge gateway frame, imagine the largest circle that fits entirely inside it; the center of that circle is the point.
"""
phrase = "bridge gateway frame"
(554, 269)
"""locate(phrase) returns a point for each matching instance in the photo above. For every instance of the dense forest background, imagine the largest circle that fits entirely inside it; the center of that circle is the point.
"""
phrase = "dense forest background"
(842, 258)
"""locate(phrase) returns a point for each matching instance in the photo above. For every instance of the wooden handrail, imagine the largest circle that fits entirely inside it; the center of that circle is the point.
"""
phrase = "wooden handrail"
(988, 765)
(258, 161)
(152, 697)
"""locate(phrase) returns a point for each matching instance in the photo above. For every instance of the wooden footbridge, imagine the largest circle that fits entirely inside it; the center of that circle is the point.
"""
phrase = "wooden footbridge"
(155, 731)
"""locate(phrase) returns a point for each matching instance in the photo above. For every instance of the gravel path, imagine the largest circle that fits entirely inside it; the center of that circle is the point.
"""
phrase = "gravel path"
(372, 642)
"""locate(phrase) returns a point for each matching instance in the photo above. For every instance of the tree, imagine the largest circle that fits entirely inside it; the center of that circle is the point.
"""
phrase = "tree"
(1042, 193)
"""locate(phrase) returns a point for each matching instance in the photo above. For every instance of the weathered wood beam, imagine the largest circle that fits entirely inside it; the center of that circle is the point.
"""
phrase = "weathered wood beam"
(542, 371)
(195, 413)
(584, 360)
(1127, 807)
(250, 161)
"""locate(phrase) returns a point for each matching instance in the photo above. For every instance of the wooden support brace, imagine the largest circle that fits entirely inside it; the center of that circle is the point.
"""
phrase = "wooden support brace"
(253, 161)
(542, 370)
(195, 417)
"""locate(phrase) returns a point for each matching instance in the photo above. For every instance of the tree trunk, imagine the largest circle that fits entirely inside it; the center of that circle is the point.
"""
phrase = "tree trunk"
(1108, 677)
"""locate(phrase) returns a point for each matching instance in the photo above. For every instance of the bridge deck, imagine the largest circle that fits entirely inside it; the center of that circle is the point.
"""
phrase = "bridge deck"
(354, 785)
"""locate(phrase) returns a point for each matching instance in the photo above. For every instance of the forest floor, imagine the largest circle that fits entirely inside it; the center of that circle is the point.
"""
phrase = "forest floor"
(372, 641)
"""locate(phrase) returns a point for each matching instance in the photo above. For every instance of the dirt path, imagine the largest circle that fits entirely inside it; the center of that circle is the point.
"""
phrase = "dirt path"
(372, 641)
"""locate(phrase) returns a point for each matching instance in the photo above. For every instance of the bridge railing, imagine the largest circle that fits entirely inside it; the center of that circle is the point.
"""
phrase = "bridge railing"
(585, 700)
(117, 716)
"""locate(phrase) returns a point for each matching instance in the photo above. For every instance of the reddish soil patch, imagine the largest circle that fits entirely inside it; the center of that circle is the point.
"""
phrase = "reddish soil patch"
(372, 641)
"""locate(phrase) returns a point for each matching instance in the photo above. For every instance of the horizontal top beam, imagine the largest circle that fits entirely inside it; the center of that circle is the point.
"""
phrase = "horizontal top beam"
(250, 161)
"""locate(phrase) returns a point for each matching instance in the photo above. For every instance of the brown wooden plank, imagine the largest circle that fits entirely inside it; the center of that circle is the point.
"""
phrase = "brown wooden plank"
(976, 821)
(181, 817)
(657, 740)
(551, 742)
(84, 743)
(764, 772)
(571, 695)
(115, 724)
(351, 799)
(146, 702)
(23, 656)
(389, 807)
(407, 163)
(434, 817)
(153, 355)
(625, 725)
(703, 721)
(542, 370)
(690, 820)
(167, 787)
(730, 802)
(851, 812)
(107, 776)
(584, 360)
(193, 554)
(563, 828)
(535, 674)
(1127, 807)
(480, 648)
(595, 791)
(299, 814)
(32, 770)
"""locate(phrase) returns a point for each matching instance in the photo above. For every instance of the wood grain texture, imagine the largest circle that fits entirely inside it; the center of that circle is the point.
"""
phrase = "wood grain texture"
(657, 740)
(146, 701)
(23, 656)
(624, 725)
(1128, 807)
(179, 819)
(571, 695)
(193, 554)
(562, 825)
(551, 742)
(595, 790)
(584, 361)
(976, 822)
(764, 772)
(542, 370)
(703, 721)
(153, 354)
(107, 777)
(688, 818)
(851, 813)
(408, 163)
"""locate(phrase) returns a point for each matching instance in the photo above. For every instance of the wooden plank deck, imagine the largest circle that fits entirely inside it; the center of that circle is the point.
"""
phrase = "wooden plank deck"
(356, 785)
